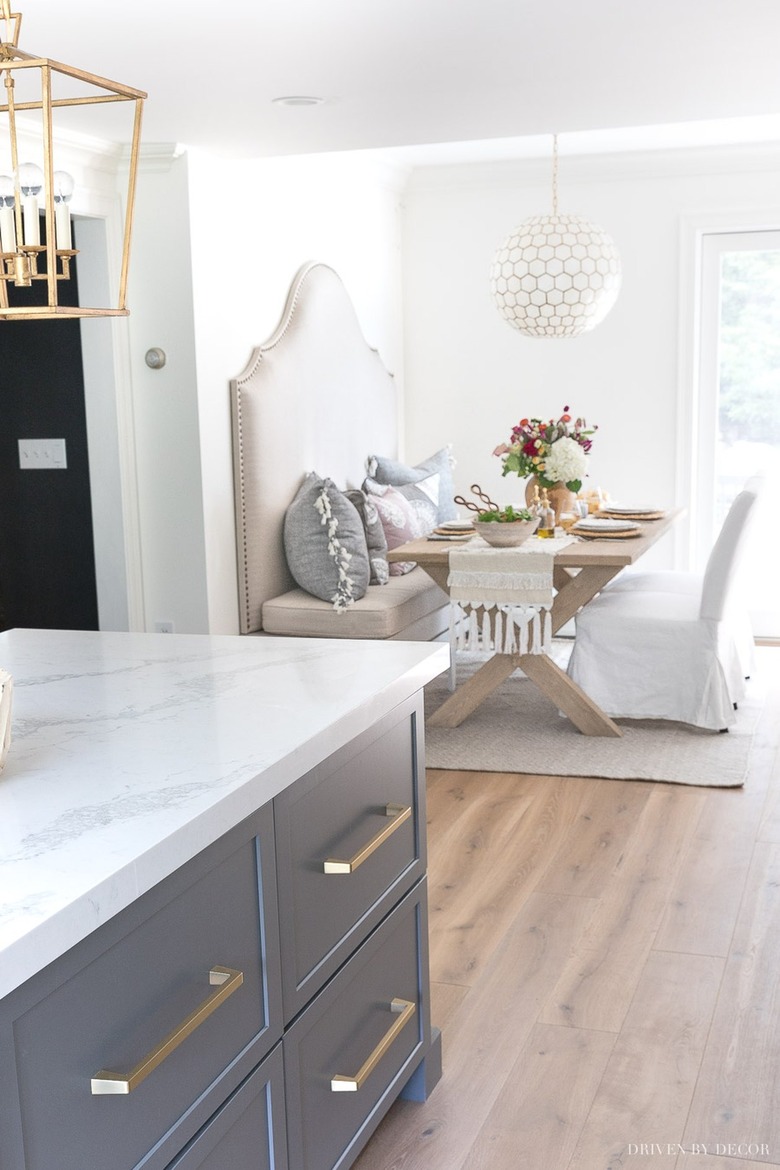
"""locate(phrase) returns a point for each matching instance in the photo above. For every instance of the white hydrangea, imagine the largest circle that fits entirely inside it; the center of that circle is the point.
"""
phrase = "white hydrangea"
(567, 461)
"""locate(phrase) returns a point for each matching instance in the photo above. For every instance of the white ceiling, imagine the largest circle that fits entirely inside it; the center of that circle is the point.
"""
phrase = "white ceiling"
(410, 72)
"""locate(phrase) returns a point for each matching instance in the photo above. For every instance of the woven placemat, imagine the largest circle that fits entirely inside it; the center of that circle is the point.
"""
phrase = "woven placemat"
(627, 534)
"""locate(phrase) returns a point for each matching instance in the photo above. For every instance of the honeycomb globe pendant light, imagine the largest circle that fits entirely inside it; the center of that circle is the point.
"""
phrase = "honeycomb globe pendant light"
(555, 275)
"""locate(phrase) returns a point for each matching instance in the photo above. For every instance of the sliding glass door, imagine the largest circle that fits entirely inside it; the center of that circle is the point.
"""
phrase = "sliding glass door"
(739, 400)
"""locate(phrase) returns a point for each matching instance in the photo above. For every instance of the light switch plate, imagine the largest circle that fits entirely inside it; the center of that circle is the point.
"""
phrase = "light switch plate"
(42, 454)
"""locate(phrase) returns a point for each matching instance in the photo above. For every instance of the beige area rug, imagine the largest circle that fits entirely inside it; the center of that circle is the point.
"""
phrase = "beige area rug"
(517, 729)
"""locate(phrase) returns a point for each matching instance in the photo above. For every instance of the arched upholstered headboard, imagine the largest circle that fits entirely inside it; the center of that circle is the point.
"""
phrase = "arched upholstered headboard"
(314, 397)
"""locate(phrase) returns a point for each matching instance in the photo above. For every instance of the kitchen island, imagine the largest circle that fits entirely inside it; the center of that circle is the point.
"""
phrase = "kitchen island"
(159, 790)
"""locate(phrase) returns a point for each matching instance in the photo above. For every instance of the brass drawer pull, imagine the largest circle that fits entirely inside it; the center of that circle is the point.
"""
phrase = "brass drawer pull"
(226, 981)
(342, 1084)
(399, 813)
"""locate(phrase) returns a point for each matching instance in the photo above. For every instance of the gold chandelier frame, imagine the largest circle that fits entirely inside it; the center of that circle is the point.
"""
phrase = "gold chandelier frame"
(19, 268)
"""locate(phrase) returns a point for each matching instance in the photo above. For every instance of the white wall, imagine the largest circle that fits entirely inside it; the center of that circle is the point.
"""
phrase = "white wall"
(165, 402)
(341, 210)
(207, 284)
(105, 454)
(470, 376)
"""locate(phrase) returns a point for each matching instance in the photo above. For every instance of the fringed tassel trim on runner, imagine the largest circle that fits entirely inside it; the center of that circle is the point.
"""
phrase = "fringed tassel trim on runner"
(505, 629)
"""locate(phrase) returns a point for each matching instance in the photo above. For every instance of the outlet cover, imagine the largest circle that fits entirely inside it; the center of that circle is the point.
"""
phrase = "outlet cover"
(42, 455)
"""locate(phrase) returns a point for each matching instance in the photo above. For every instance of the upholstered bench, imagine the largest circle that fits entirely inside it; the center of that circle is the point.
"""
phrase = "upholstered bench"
(410, 607)
(316, 396)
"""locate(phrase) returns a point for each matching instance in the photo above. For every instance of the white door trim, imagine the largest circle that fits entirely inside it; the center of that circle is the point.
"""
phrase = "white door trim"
(693, 229)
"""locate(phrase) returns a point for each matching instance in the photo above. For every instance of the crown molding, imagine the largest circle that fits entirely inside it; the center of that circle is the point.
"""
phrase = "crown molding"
(644, 165)
(156, 157)
(98, 154)
(82, 150)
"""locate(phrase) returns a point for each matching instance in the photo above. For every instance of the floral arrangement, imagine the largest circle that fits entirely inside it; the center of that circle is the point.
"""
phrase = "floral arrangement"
(554, 451)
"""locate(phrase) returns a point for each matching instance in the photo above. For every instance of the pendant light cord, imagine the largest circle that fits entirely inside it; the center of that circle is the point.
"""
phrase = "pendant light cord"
(555, 175)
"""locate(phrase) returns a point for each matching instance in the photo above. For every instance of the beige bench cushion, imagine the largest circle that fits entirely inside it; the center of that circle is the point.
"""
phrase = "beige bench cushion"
(409, 606)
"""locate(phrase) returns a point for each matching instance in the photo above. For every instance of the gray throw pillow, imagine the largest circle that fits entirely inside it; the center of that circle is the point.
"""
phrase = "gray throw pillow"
(325, 543)
(376, 543)
(397, 474)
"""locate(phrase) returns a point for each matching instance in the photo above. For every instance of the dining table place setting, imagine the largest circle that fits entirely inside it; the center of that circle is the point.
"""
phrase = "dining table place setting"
(456, 530)
(630, 512)
(597, 527)
(616, 522)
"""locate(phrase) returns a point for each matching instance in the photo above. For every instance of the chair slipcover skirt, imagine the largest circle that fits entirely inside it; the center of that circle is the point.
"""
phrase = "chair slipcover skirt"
(643, 655)
(675, 581)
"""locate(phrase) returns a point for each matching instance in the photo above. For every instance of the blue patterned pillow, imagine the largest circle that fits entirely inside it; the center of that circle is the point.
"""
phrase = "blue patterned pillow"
(436, 471)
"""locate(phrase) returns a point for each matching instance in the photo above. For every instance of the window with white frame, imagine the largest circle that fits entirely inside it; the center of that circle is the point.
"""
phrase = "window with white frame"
(736, 426)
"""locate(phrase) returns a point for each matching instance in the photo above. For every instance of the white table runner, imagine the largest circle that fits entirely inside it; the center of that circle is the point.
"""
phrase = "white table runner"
(513, 587)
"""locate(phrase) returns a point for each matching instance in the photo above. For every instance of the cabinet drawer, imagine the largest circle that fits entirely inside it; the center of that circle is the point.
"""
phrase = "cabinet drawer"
(347, 1032)
(248, 1131)
(151, 974)
(360, 815)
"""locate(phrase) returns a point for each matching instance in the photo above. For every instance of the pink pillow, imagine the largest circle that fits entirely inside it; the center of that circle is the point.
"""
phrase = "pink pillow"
(399, 521)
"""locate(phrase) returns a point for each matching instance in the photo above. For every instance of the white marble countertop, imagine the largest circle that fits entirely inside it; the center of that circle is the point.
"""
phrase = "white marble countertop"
(132, 752)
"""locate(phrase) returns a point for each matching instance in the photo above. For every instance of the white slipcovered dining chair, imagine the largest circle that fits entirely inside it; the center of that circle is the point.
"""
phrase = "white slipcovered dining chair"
(642, 652)
(679, 581)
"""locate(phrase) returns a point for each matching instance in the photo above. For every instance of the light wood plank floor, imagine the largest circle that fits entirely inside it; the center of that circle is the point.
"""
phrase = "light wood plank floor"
(606, 967)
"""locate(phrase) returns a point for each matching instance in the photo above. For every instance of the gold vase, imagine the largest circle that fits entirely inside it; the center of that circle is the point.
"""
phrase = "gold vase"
(561, 497)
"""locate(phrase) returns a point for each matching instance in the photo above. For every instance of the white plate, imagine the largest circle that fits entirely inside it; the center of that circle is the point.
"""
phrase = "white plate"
(630, 511)
(456, 525)
(604, 525)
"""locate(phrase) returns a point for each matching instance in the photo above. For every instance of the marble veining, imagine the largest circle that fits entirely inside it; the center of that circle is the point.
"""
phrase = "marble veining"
(131, 752)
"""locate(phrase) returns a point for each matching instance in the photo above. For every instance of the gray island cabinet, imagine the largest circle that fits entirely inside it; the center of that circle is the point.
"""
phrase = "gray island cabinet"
(213, 935)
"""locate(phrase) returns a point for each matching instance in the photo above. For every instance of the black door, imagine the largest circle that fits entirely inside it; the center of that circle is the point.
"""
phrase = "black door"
(47, 558)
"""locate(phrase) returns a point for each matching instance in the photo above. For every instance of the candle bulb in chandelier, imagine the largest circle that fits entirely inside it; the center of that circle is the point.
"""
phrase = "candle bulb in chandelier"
(7, 225)
(30, 185)
(63, 193)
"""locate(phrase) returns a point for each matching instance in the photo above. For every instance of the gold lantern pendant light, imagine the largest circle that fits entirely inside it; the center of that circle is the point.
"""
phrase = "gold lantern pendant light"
(35, 90)
(555, 275)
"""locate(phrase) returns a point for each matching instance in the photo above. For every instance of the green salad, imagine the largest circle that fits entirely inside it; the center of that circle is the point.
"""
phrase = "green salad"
(507, 515)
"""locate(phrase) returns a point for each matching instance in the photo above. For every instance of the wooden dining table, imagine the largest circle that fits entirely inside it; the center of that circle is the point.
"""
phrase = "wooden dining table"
(580, 571)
